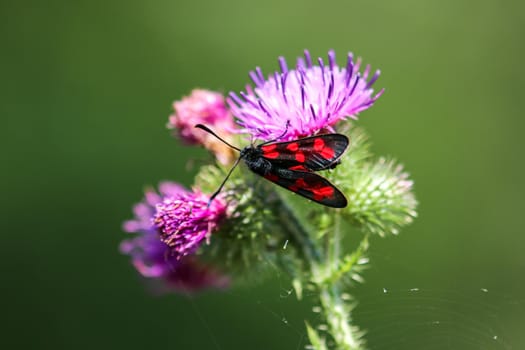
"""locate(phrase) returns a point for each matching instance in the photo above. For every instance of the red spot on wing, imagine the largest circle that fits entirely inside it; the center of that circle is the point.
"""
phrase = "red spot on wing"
(300, 157)
(299, 184)
(318, 144)
(294, 146)
(321, 193)
(272, 177)
(269, 148)
(270, 151)
(327, 153)
(271, 155)
(298, 168)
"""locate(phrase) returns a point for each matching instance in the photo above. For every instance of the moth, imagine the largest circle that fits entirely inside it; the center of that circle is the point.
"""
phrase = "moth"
(292, 165)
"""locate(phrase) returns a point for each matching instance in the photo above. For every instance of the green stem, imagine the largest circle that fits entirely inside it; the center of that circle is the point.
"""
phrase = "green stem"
(336, 312)
(333, 245)
(299, 233)
(338, 320)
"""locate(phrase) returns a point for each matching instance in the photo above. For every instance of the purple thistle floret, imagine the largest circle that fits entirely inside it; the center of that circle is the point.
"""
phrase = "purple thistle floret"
(309, 99)
(185, 220)
(154, 259)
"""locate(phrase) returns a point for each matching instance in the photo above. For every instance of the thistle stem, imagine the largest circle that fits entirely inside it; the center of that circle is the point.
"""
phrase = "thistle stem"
(333, 244)
(299, 232)
(335, 309)
(336, 312)
(337, 317)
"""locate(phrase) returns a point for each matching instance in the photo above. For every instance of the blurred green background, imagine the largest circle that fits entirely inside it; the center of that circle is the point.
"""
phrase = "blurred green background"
(87, 87)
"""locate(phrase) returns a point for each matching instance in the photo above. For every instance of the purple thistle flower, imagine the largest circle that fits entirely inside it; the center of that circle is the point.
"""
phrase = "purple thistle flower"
(145, 210)
(154, 259)
(310, 98)
(186, 219)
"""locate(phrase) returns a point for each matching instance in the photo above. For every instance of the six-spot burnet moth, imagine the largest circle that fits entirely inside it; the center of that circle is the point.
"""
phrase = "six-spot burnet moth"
(291, 165)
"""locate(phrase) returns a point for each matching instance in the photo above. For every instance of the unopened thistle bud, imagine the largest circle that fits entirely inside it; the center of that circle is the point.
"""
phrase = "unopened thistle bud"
(208, 108)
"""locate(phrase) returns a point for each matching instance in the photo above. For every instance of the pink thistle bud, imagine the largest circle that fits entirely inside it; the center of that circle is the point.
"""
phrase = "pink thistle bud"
(208, 108)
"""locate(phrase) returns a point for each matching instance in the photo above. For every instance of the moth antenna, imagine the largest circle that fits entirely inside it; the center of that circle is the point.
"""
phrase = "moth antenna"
(280, 136)
(205, 128)
(223, 181)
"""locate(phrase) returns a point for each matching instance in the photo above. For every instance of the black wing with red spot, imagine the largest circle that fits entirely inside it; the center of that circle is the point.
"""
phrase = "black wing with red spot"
(309, 185)
(307, 154)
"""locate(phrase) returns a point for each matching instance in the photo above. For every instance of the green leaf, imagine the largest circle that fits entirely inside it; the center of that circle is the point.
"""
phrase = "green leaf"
(316, 341)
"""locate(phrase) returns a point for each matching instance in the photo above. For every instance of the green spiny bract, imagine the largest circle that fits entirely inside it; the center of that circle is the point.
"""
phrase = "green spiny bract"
(252, 240)
(379, 196)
